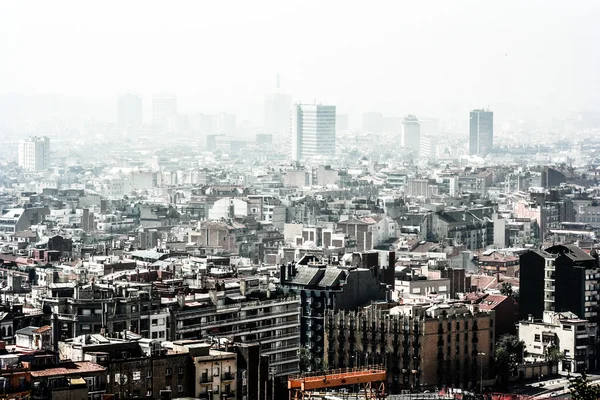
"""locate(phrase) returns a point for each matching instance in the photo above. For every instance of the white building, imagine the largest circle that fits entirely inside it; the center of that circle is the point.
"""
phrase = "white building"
(573, 336)
(164, 106)
(411, 134)
(277, 114)
(313, 131)
(34, 153)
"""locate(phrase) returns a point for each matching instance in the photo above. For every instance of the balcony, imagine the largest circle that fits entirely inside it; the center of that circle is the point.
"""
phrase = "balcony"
(227, 376)
(206, 379)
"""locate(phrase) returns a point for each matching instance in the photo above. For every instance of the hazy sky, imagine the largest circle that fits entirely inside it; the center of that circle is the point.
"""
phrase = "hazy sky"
(422, 56)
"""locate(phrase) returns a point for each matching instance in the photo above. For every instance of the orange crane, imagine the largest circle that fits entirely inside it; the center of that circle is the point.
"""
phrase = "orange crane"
(372, 380)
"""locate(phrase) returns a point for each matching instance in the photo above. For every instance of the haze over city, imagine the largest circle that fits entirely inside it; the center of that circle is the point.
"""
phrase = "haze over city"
(328, 200)
(430, 57)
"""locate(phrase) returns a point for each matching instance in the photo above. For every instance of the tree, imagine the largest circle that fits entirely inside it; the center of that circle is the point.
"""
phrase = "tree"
(554, 355)
(506, 289)
(508, 354)
(582, 389)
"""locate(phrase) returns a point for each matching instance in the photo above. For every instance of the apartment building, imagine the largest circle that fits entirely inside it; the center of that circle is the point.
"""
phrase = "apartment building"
(421, 345)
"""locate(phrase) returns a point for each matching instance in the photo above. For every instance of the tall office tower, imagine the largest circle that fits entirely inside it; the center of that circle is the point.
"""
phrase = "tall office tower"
(164, 106)
(313, 131)
(372, 122)
(411, 134)
(481, 132)
(129, 110)
(34, 153)
(277, 113)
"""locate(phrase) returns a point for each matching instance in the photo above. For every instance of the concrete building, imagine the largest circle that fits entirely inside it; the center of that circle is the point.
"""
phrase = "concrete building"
(109, 308)
(278, 107)
(411, 135)
(574, 337)
(313, 131)
(216, 370)
(164, 107)
(129, 111)
(271, 319)
(481, 132)
(322, 287)
(20, 219)
(422, 346)
(561, 278)
(34, 154)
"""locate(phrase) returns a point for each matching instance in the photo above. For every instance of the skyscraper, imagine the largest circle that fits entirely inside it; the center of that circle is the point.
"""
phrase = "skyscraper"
(129, 110)
(164, 106)
(411, 134)
(481, 132)
(277, 113)
(313, 131)
(34, 153)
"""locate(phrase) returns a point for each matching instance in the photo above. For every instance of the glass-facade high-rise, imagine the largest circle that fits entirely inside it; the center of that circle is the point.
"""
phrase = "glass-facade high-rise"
(313, 131)
(481, 132)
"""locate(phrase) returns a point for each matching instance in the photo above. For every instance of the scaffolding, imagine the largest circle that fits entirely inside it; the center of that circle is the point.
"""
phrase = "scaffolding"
(370, 379)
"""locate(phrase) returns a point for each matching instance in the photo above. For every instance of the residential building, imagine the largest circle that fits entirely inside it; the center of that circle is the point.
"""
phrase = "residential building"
(111, 309)
(34, 154)
(20, 219)
(574, 337)
(271, 319)
(481, 132)
(422, 346)
(215, 369)
(313, 131)
(323, 287)
(134, 368)
(129, 110)
(561, 278)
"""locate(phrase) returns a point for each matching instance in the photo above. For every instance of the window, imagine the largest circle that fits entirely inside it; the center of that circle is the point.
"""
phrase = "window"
(154, 322)
(136, 376)
(180, 388)
(567, 327)
(168, 372)
(149, 374)
(180, 371)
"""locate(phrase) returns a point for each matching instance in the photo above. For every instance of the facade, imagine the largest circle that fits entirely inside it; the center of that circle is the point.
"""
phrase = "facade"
(271, 321)
(313, 131)
(422, 347)
(277, 115)
(216, 370)
(481, 132)
(574, 337)
(561, 278)
(34, 154)
(473, 227)
(129, 110)
(20, 219)
(322, 287)
(113, 309)
(164, 107)
(361, 231)
(134, 369)
(411, 135)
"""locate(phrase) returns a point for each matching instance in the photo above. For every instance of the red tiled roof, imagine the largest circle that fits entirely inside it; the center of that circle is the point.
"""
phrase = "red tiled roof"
(490, 302)
(76, 368)
(43, 329)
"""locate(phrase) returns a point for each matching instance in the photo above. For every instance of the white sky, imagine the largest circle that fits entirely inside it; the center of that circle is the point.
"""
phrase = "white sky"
(424, 56)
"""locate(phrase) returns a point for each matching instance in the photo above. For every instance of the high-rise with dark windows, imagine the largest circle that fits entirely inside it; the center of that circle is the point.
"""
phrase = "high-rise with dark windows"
(481, 132)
